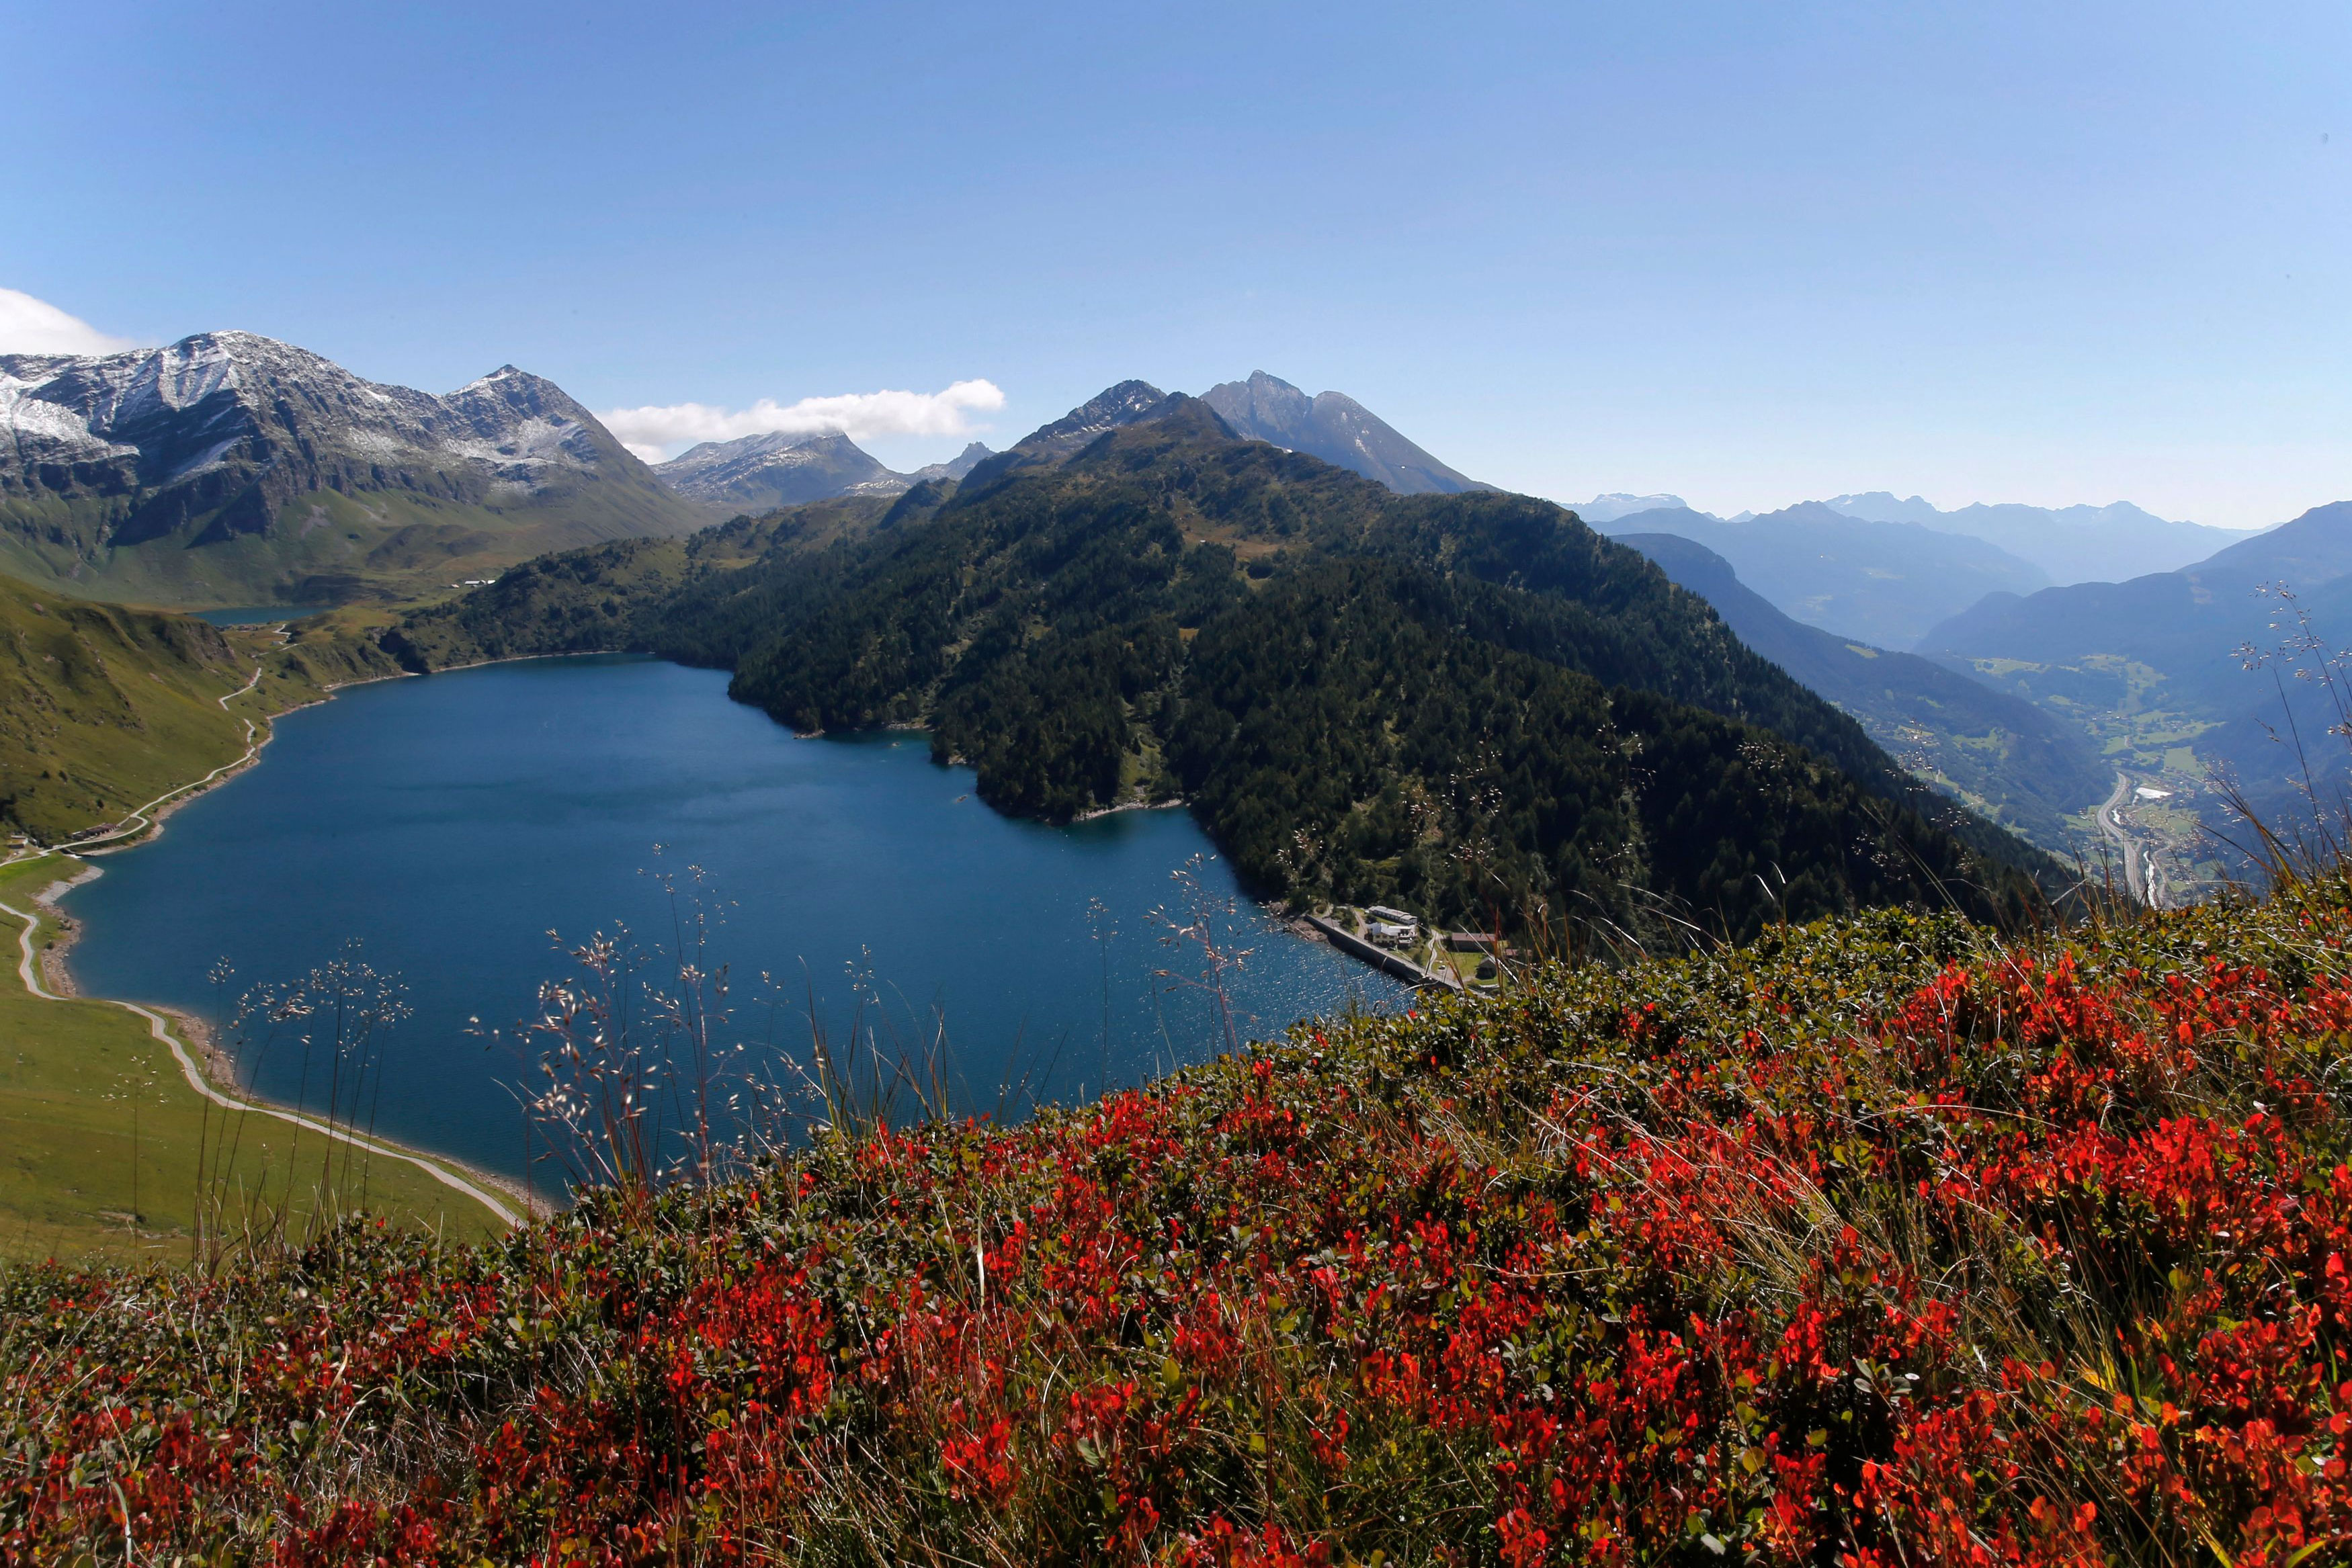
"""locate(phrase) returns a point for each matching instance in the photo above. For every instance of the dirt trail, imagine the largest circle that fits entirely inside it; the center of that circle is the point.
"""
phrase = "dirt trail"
(28, 970)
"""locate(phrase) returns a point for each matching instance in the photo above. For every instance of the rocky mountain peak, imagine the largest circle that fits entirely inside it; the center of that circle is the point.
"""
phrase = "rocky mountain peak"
(957, 467)
(774, 468)
(1124, 403)
(1264, 401)
(1335, 427)
(1108, 410)
(220, 431)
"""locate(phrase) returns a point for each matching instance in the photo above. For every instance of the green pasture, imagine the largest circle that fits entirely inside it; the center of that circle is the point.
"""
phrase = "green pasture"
(103, 1139)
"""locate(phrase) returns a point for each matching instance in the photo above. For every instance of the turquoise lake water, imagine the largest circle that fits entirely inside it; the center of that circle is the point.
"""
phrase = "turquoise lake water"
(449, 823)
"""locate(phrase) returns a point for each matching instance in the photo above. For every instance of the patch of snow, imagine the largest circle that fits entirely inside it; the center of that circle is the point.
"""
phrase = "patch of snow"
(529, 442)
(376, 443)
(42, 430)
(209, 457)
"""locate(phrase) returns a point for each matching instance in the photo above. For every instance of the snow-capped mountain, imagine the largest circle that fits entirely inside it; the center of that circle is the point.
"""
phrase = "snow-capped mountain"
(232, 438)
(759, 473)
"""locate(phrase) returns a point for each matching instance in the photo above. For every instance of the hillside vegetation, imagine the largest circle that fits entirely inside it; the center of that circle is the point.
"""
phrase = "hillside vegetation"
(1880, 1241)
(2005, 757)
(103, 709)
(1471, 703)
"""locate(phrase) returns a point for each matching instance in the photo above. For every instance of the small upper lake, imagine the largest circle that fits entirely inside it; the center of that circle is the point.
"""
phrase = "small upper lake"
(450, 823)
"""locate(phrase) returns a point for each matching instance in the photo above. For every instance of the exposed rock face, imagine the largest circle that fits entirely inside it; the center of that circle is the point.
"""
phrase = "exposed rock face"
(1338, 429)
(956, 467)
(1128, 402)
(211, 437)
(761, 472)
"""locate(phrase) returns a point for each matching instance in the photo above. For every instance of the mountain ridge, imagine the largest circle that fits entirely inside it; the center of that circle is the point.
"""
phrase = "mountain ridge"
(229, 467)
(1336, 428)
(759, 473)
(2074, 544)
(1115, 614)
(2005, 757)
(1882, 584)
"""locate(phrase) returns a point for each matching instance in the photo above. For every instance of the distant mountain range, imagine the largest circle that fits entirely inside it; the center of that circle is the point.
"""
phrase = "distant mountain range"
(2073, 544)
(1618, 504)
(229, 468)
(1884, 569)
(759, 473)
(2014, 763)
(2158, 669)
(1882, 584)
(1338, 429)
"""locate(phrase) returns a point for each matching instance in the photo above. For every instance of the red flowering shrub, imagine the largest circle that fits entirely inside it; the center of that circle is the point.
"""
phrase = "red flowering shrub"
(1875, 1243)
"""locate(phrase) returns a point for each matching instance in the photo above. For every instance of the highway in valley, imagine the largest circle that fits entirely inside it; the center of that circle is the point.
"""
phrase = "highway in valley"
(2143, 878)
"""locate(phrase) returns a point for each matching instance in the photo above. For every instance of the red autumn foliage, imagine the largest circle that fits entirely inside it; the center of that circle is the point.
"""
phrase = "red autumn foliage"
(1871, 1244)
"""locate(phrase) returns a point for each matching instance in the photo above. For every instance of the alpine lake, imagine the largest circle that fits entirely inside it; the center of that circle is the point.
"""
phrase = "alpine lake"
(465, 831)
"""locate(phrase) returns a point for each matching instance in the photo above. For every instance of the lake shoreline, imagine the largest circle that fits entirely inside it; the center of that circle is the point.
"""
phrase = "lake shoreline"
(156, 813)
(211, 1072)
(299, 858)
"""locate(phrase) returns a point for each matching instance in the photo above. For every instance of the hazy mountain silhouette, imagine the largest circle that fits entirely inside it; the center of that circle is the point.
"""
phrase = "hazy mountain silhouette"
(1995, 751)
(1338, 429)
(1883, 583)
(2073, 544)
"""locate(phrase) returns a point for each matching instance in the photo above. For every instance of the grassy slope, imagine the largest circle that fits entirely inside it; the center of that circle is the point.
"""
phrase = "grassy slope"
(70, 1073)
(101, 709)
(1882, 1242)
(325, 547)
(104, 708)
(598, 598)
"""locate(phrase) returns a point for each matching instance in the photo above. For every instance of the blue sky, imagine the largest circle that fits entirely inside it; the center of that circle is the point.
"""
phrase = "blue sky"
(1749, 252)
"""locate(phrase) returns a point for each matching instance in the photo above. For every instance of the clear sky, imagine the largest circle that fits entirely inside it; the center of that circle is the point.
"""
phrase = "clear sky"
(1750, 252)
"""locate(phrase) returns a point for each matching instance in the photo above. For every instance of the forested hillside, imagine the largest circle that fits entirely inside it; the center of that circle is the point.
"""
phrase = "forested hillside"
(1472, 704)
(2006, 759)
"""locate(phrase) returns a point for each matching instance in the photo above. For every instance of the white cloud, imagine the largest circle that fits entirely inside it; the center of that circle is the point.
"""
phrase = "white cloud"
(654, 434)
(30, 325)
